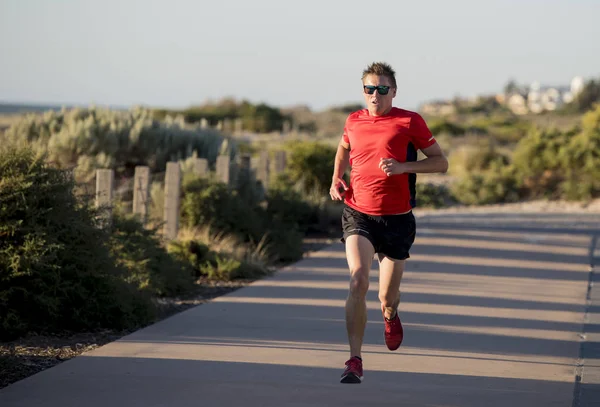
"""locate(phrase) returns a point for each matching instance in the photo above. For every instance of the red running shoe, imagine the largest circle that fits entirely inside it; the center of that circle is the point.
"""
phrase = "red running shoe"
(393, 331)
(353, 372)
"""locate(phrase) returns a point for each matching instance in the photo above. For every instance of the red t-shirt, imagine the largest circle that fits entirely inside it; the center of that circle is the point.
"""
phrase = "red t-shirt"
(398, 135)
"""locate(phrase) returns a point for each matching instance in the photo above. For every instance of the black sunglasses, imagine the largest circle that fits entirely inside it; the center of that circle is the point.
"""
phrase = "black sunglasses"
(383, 90)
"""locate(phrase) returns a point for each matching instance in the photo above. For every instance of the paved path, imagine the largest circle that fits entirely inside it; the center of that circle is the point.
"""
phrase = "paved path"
(494, 309)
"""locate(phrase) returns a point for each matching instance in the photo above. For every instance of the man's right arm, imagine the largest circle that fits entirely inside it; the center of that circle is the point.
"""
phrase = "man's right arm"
(342, 160)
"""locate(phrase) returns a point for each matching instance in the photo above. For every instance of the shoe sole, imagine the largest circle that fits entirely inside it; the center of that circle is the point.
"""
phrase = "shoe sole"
(388, 346)
(392, 349)
(351, 378)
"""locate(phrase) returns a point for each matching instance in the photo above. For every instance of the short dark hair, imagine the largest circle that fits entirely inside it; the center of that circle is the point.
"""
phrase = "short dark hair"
(380, 69)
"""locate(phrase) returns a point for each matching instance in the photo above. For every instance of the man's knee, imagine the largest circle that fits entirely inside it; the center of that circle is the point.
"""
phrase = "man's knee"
(359, 282)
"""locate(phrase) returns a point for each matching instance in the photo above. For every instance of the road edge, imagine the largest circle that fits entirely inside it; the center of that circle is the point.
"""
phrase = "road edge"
(589, 303)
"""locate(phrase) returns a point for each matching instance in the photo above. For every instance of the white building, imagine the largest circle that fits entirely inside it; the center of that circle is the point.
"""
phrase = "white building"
(544, 98)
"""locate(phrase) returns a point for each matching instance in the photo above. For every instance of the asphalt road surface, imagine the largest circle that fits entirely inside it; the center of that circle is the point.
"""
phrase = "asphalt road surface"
(498, 310)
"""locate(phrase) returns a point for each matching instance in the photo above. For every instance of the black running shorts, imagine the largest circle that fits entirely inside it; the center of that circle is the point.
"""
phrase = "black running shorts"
(390, 235)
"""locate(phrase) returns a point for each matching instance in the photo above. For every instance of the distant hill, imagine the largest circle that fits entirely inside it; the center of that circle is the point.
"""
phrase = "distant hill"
(12, 108)
(25, 108)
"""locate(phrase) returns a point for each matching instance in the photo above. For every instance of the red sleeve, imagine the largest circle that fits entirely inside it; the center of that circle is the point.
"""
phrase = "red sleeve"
(420, 133)
(345, 135)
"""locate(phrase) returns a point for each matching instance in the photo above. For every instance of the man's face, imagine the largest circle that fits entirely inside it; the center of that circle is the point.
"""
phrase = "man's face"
(376, 103)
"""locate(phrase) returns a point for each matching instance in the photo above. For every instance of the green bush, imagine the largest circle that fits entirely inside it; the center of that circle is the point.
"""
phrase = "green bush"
(483, 104)
(260, 118)
(149, 265)
(505, 128)
(284, 242)
(227, 268)
(582, 160)
(215, 205)
(100, 138)
(310, 165)
(539, 162)
(446, 127)
(546, 163)
(225, 211)
(286, 207)
(561, 164)
(219, 256)
(485, 176)
(56, 271)
(489, 187)
(432, 196)
(191, 252)
(474, 158)
(587, 99)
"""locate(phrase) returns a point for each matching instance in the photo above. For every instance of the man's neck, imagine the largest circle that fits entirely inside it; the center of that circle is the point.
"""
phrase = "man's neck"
(375, 114)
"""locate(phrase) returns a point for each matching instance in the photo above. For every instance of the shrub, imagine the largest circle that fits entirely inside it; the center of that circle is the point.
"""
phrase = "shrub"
(484, 176)
(149, 266)
(224, 211)
(219, 256)
(310, 164)
(101, 138)
(582, 160)
(561, 164)
(446, 127)
(474, 158)
(215, 206)
(228, 268)
(432, 196)
(191, 252)
(286, 207)
(539, 162)
(256, 118)
(56, 272)
(494, 185)
(284, 242)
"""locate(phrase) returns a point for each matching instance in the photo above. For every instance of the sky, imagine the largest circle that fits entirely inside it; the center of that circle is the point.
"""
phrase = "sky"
(179, 53)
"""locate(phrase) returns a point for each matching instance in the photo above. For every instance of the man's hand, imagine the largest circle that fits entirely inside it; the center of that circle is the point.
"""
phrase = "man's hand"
(334, 191)
(391, 167)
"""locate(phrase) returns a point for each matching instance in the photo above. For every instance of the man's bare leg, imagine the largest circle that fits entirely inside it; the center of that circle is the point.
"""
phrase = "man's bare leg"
(390, 276)
(359, 253)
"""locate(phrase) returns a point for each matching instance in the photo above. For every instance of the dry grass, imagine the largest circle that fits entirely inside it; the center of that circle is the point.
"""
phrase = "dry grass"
(7, 119)
(227, 244)
(547, 121)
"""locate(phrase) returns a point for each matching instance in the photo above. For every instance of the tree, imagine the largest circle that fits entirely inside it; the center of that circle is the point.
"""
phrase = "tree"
(511, 87)
(590, 94)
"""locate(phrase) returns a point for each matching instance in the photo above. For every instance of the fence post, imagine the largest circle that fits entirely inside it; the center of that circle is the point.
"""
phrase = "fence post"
(223, 173)
(201, 167)
(245, 162)
(172, 198)
(280, 161)
(141, 186)
(243, 172)
(238, 126)
(228, 126)
(262, 172)
(105, 182)
(287, 127)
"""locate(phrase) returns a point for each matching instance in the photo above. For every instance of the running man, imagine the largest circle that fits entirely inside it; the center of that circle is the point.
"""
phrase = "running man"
(380, 144)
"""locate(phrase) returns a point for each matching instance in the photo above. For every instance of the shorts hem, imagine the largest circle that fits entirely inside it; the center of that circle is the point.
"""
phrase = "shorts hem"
(359, 233)
(400, 258)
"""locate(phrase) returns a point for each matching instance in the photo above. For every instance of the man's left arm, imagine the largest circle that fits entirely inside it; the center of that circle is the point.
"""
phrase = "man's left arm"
(435, 161)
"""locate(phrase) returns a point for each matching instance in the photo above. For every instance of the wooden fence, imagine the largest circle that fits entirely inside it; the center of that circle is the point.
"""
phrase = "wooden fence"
(226, 171)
